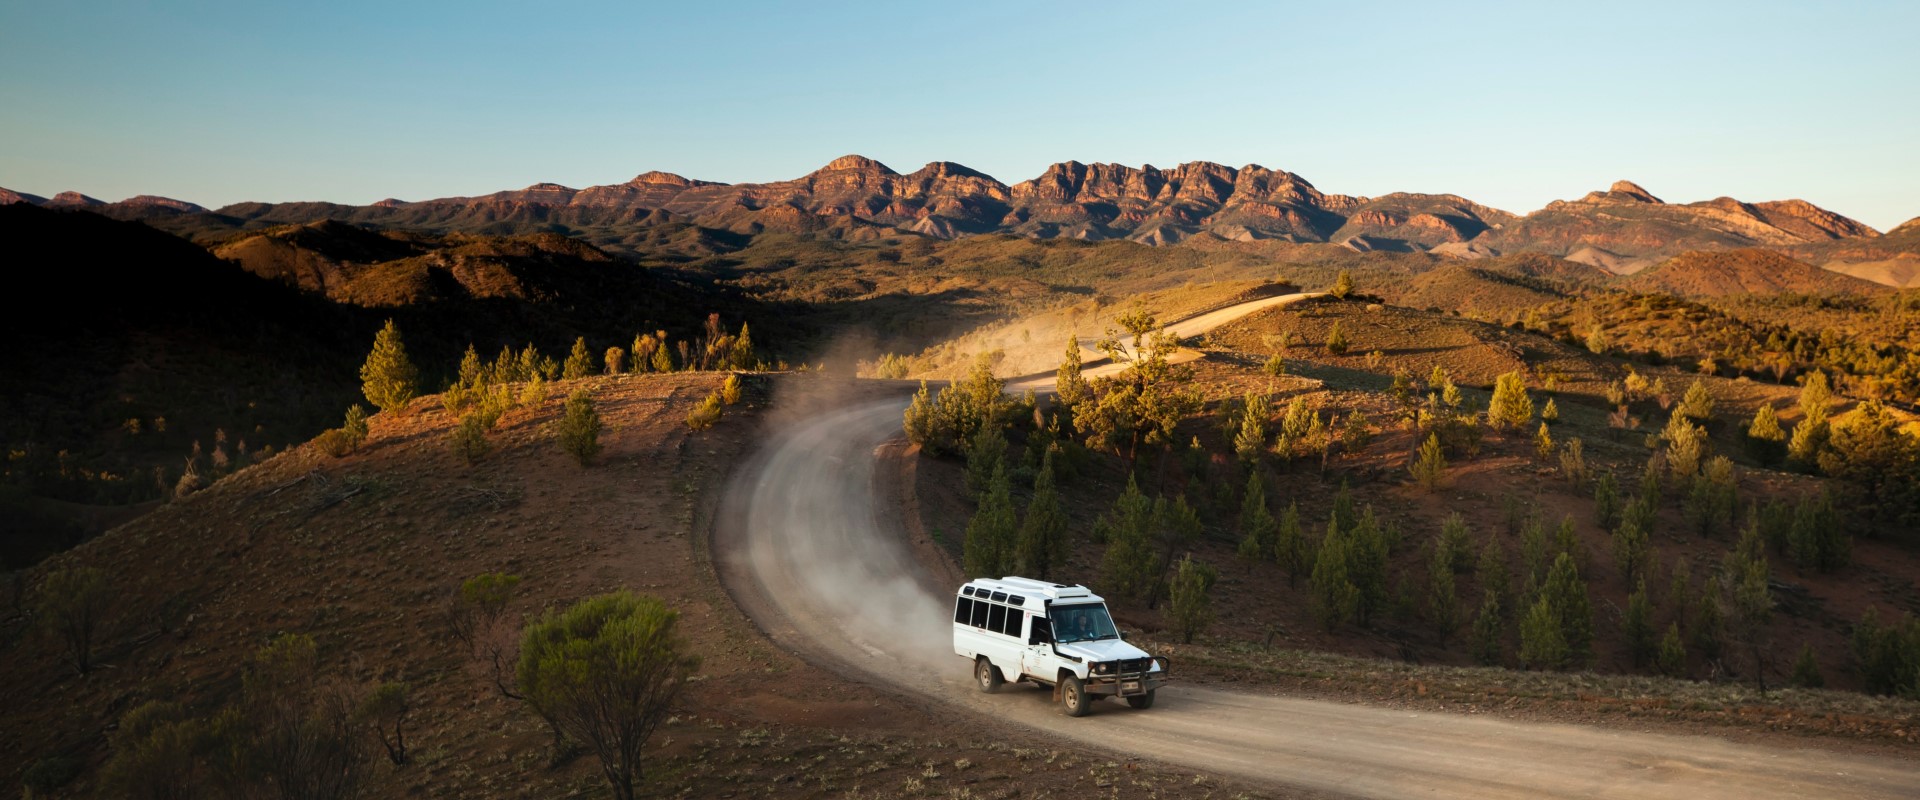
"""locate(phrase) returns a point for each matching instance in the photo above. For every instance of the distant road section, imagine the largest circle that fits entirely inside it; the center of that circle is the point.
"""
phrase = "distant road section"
(812, 546)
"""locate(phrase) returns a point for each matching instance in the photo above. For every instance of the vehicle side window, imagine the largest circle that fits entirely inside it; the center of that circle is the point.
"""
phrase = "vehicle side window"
(997, 618)
(1041, 633)
(979, 615)
(963, 611)
(1015, 617)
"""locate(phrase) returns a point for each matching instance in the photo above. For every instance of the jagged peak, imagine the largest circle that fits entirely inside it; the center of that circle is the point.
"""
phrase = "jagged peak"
(857, 162)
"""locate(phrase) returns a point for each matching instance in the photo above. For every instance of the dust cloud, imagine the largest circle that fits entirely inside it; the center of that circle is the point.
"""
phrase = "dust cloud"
(813, 539)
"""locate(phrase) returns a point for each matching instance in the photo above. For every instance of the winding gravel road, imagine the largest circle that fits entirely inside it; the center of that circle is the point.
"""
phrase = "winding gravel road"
(811, 545)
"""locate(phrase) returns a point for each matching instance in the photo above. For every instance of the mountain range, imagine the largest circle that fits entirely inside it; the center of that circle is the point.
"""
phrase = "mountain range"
(1622, 229)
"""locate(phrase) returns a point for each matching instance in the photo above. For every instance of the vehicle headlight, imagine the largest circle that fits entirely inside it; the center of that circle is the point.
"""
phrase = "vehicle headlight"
(1102, 667)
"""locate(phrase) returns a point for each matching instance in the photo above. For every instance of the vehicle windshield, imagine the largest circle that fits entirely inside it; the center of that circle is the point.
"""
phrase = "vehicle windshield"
(1082, 623)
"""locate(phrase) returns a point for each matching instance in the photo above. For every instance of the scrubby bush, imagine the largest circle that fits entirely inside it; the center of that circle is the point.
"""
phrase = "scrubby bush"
(606, 671)
(72, 604)
(476, 617)
(385, 710)
(730, 390)
(1337, 340)
(705, 414)
(334, 442)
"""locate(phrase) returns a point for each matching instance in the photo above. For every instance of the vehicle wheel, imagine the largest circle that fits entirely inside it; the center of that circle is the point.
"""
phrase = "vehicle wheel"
(1073, 696)
(1142, 701)
(986, 675)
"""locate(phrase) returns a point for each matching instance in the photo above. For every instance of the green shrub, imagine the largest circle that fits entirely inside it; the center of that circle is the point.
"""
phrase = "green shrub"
(73, 603)
(706, 414)
(605, 672)
(334, 442)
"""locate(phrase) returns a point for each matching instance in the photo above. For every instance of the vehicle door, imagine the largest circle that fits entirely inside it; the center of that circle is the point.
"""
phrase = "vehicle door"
(1037, 658)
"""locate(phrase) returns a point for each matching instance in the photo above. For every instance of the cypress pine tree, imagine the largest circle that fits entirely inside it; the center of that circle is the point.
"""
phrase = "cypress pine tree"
(1672, 659)
(1697, 405)
(1257, 529)
(1637, 626)
(1631, 549)
(1443, 600)
(579, 362)
(662, 356)
(470, 368)
(1551, 413)
(1291, 547)
(986, 452)
(1335, 598)
(388, 378)
(355, 427)
(1765, 438)
(1127, 566)
(1070, 387)
(1606, 502)
(991, 530)
(1367, 566)
(1043, 534)
(1572, 607)
(1492, 570)
(579, 428)
(1455, 543)
(1806, 670)
(1542, 644)
(1510, 407)
(1190, 610)
(1707, 623)
(741, 356)
(1430, 466)
(1251, 440)
(1487, 630)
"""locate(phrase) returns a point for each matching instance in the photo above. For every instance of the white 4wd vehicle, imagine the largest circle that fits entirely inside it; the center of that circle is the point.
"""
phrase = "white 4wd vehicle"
(1051, 634)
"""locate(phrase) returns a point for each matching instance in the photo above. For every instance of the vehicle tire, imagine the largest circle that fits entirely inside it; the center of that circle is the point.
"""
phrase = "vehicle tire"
(1073, 696)
(987, 676)
(1144, 701)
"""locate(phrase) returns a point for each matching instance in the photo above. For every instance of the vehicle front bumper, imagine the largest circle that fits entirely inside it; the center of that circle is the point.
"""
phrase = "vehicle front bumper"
(1129, 684)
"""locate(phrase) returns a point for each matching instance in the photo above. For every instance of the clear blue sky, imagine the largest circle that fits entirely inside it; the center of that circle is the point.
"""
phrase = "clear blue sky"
(1509, 104)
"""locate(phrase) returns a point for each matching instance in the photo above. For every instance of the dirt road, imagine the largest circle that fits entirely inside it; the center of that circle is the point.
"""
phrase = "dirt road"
(812, 547)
